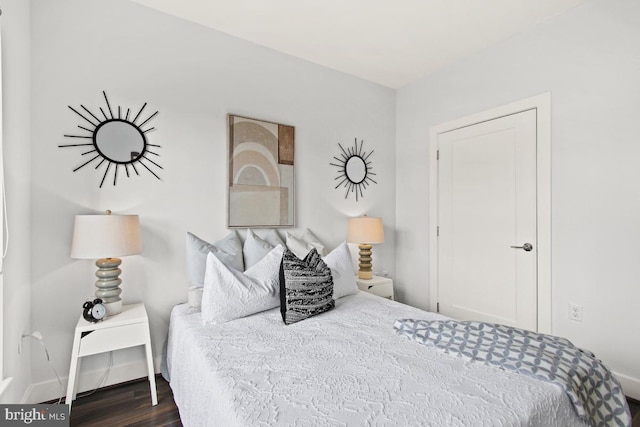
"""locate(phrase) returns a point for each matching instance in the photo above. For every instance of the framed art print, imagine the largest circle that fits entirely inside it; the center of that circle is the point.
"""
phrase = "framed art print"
(261, 178)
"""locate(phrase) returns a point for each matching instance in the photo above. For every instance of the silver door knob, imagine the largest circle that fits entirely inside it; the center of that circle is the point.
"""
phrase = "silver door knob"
(527, 247)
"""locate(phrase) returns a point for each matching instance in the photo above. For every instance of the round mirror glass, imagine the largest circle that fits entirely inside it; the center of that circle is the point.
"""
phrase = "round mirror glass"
(356, 169)
(119, 141)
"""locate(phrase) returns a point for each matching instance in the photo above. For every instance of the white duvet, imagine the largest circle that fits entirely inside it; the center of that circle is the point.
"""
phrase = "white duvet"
(346, 367)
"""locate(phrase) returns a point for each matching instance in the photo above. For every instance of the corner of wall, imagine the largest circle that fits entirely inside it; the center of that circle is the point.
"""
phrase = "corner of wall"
(16, 296)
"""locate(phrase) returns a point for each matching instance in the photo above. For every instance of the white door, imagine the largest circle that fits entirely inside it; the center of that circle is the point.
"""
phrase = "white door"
(487, 246)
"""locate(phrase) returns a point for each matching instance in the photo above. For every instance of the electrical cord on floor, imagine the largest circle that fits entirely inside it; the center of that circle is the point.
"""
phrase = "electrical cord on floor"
(103, 380)
(38, 337)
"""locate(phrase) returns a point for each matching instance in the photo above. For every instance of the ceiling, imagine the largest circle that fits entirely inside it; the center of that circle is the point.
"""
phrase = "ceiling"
(392, 43)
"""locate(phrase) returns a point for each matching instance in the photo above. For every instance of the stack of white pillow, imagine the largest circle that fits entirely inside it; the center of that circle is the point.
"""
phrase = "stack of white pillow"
(230, 280)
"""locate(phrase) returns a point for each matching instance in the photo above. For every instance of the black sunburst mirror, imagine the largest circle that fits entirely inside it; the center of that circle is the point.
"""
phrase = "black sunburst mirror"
(354, 169)
(117, 142)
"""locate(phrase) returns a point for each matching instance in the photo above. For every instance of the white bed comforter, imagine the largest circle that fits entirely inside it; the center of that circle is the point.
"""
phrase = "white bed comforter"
(346, 367)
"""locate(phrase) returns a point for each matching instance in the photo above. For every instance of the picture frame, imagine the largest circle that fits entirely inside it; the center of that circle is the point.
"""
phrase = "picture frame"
(261, 179)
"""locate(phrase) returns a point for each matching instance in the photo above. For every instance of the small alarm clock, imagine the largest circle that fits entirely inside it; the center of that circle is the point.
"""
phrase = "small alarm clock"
(94, 311)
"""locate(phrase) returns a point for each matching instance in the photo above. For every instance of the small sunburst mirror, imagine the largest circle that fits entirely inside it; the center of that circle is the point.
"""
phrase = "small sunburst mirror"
(117, 142)
(354, 169)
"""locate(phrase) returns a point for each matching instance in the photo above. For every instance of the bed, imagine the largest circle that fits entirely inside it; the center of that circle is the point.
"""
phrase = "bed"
(345, 367)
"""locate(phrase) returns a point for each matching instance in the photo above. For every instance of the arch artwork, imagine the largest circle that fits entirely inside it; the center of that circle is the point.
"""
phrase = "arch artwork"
(261, 178)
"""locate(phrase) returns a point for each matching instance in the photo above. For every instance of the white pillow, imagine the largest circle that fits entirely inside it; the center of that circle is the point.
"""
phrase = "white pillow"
(228, 250)
(229, 294)
(298, 246)
(271, 236)
(303, 244)
(344, 277)
(255, 248)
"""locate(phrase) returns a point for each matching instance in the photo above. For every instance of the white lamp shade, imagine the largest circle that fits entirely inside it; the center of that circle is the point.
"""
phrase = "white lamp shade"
(105, 236)
(365, 229)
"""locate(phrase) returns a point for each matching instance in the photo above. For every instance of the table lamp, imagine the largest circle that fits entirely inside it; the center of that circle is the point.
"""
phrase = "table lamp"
(365, 231)
(106, 237)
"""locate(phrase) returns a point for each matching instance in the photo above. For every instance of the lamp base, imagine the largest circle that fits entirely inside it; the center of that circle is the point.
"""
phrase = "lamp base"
(365, 262)
(366, 275)
(113, 308)
(108, 284)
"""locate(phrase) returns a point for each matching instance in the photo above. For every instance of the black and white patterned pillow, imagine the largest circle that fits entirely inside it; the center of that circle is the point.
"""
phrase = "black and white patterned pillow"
(306, 287)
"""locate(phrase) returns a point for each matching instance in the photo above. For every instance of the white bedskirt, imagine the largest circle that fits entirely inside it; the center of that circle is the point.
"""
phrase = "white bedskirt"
(346, 367)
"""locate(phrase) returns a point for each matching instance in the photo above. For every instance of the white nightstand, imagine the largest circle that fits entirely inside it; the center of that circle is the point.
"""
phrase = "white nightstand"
(127, 329)
(380, 286)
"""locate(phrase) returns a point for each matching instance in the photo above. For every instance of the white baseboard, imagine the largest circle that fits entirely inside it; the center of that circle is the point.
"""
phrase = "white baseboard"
(4, 385)
(49, 390)
(631, 386)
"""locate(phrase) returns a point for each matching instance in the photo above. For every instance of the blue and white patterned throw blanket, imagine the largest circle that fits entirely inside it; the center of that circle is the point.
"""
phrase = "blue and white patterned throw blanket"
(593, 390)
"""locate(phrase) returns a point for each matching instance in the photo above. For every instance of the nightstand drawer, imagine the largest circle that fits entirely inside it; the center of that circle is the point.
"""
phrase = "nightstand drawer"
(384, 290)
(380, 286)
(102, 340)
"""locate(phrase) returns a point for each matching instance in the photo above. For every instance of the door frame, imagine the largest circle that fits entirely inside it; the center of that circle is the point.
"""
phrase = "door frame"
(542, 104)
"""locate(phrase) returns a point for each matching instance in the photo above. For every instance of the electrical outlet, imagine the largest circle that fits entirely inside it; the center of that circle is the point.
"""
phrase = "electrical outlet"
(575, 312)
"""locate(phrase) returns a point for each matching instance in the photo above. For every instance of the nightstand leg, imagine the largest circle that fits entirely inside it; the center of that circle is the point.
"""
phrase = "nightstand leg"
(152, 374)
(78, 369)
(73, 371)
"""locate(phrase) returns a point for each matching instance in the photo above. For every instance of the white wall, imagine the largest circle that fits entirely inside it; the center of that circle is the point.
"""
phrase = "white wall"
(194, 76)
(16, 86)
(589, 59)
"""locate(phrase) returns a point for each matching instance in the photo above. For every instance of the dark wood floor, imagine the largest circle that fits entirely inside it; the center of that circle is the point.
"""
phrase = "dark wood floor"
(129, 404)
(634, 405)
